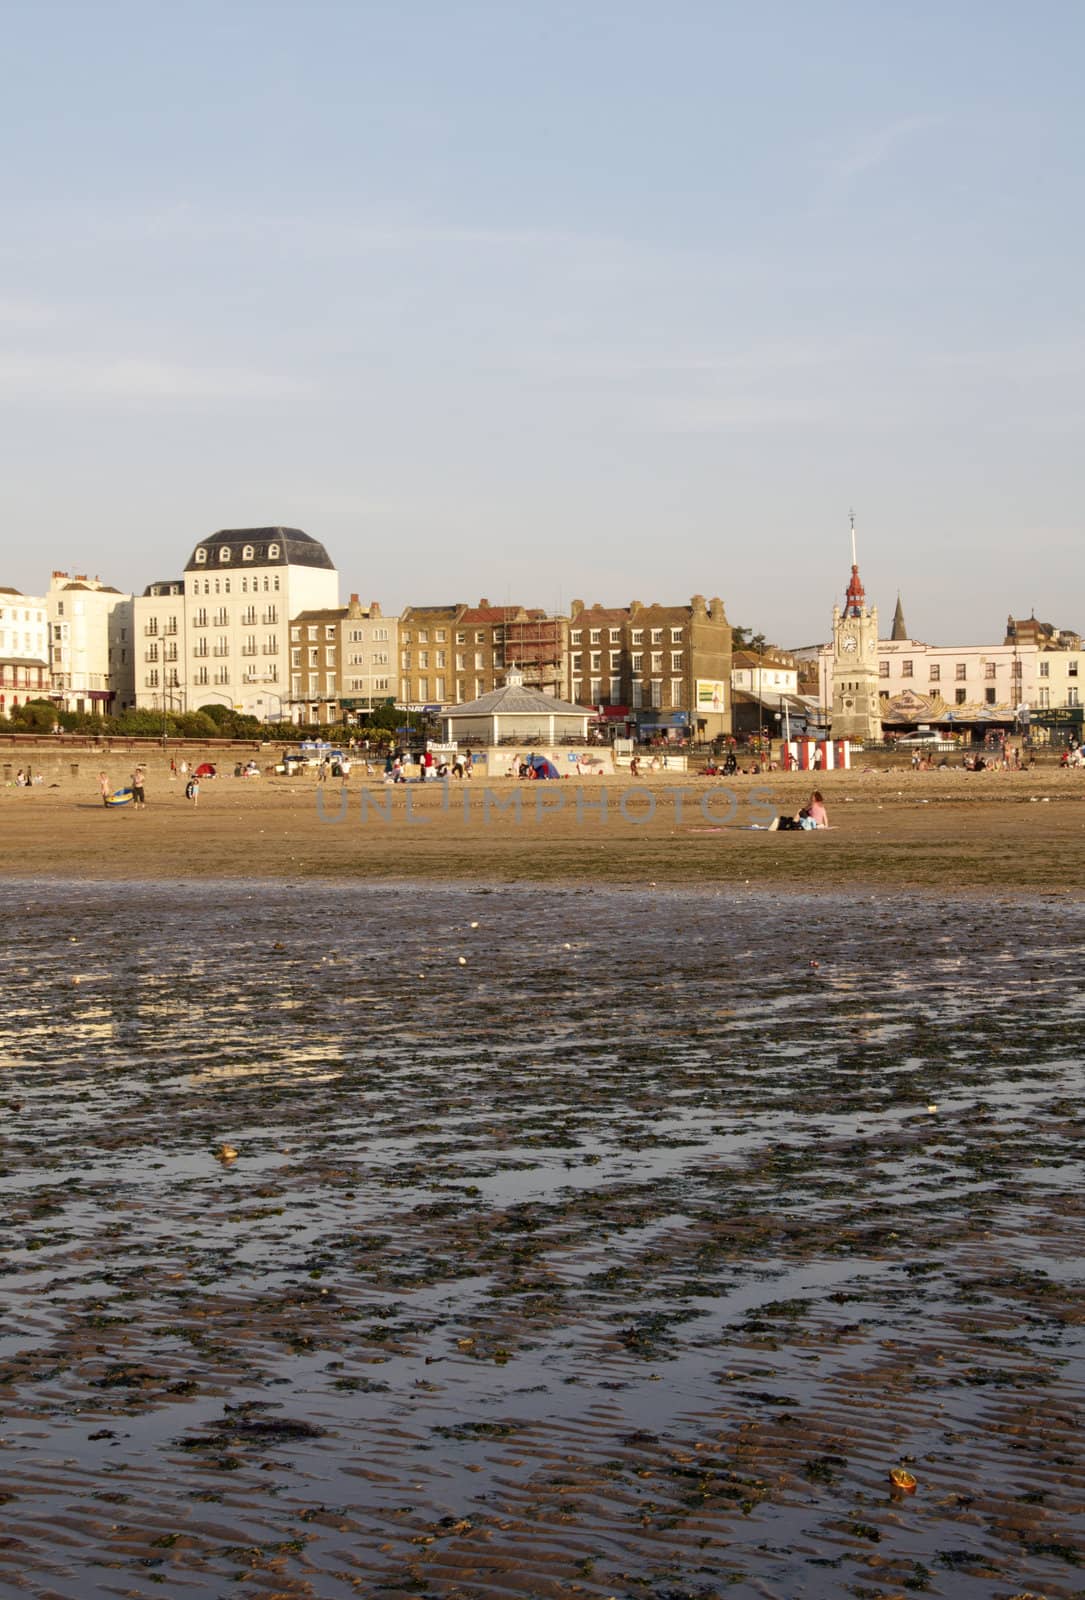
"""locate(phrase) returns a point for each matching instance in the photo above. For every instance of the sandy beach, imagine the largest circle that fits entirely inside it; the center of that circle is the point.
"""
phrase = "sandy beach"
(947, 830)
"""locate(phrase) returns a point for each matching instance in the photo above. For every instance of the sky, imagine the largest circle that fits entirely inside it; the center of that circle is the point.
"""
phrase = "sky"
(536, 300)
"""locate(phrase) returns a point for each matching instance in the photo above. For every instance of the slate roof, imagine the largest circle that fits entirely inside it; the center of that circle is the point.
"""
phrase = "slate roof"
(296, 549)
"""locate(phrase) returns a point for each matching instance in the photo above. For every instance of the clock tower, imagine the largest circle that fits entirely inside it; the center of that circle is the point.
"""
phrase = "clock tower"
(856, 708)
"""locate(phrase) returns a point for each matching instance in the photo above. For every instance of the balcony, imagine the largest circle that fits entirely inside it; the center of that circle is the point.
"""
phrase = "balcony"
(151, 630)
(171, 627)
(270, 617)
(151, 654)
(271, 649)
(248, 650)
(221, 650)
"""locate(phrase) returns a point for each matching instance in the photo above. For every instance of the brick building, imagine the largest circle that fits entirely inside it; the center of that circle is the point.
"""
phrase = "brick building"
(656, 669)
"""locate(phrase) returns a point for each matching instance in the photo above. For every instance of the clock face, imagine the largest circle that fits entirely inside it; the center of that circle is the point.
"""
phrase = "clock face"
(848, 642)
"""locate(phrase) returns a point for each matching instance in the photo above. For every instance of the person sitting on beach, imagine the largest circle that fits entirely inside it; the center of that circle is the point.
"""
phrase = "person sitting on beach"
(816, 811)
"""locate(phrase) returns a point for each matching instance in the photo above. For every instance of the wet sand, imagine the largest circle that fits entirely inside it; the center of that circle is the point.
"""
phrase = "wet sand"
(594, 1244)
(947, 831)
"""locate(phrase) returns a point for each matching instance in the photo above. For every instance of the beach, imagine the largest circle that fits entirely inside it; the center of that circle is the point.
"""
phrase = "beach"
(493, 1194)
(945, 830)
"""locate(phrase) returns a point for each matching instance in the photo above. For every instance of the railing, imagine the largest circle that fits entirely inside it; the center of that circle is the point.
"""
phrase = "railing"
(221, 650)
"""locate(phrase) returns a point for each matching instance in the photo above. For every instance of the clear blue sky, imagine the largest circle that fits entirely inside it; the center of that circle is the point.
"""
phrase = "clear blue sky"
(542, 300)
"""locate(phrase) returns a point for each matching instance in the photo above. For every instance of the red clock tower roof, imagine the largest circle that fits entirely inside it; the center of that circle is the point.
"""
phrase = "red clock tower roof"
(855, 597)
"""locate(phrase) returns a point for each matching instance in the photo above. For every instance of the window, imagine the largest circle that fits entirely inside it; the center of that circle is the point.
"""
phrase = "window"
(615, 661)
(423, 688)
(440, 636)
(615, 636)
(883, 669)
(312, 633)
(676, 660)
(657, 661)
(478, 661)
(638, 635)
(578, 690)
(656, 687)
(201, 557)
(1071, 668)
(906, 669)
(380, 635)
(273, 552)
(638, 695)
(594, 636)
(247, 553)
(676, 636)
(676, 693)
(962, 695)
(224, 553)
(439, 689)
(314, 657)
(295, 634)
(961, 672)
(461, 637)
(461, 661)
(988, 669)
(615, 691)
(597, 661)
(1045, 699)
(480, 637)
(596, 690)
(329, 630)
(936, 672)
(1072, 696)
(1045, 669)
(638, 663)
(423, 636)
(439, 657)
(657, 635)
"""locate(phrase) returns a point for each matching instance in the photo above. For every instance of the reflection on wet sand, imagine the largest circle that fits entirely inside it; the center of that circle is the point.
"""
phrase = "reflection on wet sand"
(630, 1257)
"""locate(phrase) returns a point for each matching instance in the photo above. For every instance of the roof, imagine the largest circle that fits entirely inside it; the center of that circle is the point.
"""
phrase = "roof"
(294, 549)
(327, 614)
(517, 700)
(751, 658)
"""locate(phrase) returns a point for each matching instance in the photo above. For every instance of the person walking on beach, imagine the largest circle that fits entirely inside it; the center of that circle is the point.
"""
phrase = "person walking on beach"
(139, 799)
(103, 788)
(192, 791)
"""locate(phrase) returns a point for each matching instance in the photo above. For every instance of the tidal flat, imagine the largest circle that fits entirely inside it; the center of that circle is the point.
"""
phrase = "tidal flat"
(578, 1242)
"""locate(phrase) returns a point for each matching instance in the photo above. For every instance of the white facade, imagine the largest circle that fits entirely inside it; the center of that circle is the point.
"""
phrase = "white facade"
(158, 623)
(242, 587)
(24, 648)
(91, 645)
(764, 675)
(920, 682)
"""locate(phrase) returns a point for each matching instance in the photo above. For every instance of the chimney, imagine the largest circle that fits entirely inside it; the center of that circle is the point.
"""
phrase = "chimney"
(484, 605)
(374, 609)
(576, 608)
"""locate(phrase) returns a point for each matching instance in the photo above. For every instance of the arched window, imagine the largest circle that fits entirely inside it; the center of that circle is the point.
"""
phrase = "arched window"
(201, 556)
(247, 553)
(224, 553)
(273, 552)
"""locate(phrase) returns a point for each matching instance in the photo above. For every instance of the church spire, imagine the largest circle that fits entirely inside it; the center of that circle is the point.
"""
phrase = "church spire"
(899, 630)
(855, 597)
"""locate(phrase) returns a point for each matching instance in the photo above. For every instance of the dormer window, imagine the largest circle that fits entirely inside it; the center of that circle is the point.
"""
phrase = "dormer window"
(201, 557)
(247, 553)
(273, 552)
(224, 553)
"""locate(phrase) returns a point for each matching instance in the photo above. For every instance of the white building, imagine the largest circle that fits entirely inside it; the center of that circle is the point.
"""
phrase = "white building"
(158, 621)
(971, 685)
(24, 649)
(91, 654)
(242, 586)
